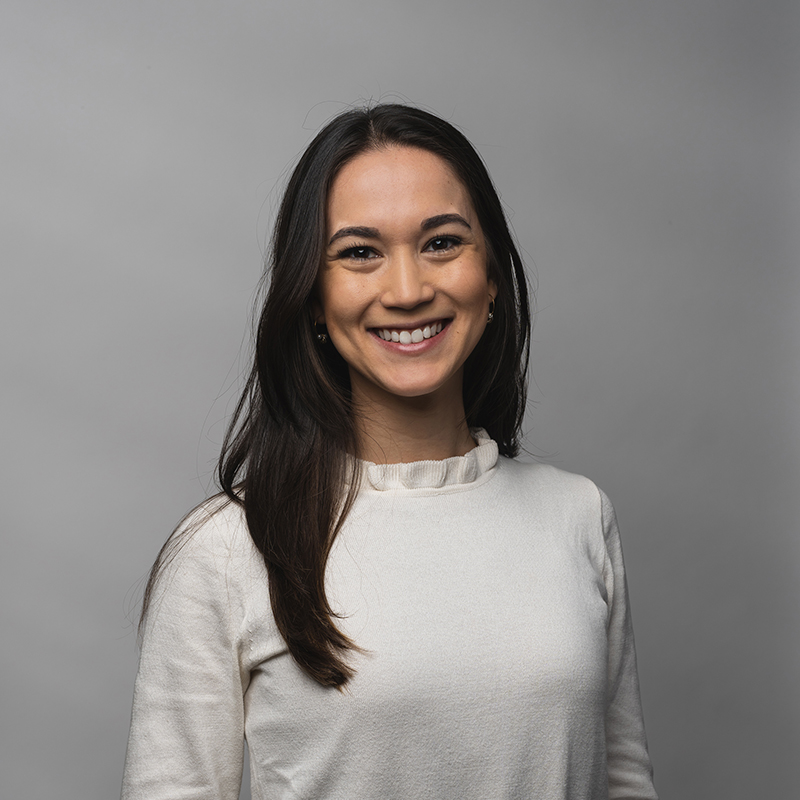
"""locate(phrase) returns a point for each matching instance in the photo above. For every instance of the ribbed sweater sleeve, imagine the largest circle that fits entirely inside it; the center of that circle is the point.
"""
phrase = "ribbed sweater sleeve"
(629, 772)
(187, 727)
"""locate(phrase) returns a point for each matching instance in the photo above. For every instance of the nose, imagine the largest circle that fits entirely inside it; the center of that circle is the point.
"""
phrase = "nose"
(407, 285)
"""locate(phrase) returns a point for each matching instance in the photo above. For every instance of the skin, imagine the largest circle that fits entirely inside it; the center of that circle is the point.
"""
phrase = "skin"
(404, 251)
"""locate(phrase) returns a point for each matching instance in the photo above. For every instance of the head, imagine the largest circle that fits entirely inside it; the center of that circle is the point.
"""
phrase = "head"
(494, 373)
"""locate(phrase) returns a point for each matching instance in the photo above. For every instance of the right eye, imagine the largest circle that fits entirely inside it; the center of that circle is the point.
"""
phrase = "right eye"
(357, 253)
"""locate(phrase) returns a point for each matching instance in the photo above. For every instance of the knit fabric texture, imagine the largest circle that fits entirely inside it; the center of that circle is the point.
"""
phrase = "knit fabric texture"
(489, 597)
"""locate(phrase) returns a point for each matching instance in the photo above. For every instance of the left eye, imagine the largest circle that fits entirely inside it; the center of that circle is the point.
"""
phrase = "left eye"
(442, 243)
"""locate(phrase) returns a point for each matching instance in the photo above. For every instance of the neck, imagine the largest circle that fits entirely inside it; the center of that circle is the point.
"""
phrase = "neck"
(394, 430)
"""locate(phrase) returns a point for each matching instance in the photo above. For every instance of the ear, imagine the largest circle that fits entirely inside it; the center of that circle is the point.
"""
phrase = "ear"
(492, 289)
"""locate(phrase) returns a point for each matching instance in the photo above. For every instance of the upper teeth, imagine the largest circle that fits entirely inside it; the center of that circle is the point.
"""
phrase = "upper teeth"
(407, 337)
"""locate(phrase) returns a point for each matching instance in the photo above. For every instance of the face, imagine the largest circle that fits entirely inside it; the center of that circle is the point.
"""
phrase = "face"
(403, 288)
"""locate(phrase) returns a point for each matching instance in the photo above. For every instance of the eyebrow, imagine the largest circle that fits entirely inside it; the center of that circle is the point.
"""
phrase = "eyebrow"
(363, 233)
(425, 225)
(443, 219)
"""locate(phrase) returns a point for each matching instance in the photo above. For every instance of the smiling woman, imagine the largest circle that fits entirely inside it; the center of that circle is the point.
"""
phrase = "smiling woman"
(374, 532)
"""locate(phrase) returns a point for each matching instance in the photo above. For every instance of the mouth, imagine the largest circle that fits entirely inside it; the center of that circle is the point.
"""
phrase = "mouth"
(411, 335)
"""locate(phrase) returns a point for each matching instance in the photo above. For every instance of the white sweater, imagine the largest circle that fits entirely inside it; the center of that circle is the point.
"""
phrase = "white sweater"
(491, 597)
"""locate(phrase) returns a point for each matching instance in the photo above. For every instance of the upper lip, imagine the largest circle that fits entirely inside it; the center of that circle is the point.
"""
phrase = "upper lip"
(410, 326)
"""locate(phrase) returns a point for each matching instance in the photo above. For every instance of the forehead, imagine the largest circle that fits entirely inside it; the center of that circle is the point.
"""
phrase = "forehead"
(396, 183)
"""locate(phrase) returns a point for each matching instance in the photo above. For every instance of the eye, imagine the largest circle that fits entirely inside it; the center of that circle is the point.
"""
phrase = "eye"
(441, 244)
(359, 252)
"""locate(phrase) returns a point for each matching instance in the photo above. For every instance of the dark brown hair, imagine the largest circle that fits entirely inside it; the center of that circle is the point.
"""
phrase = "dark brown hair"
(285, 456)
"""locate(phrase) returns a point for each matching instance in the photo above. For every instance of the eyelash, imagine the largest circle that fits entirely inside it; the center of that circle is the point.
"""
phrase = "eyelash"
(350, 252)
(454, 241)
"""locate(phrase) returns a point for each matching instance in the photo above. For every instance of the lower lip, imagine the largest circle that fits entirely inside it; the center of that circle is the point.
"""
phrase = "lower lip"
(413, 347)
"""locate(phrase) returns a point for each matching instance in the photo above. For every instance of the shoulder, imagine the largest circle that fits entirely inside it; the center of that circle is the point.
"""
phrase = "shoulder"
(548, 480)
(217, 525)
(563, 494)
(210, 545)
(207, 586)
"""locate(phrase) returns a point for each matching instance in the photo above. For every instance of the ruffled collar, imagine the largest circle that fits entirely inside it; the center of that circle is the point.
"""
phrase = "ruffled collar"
(450, 473)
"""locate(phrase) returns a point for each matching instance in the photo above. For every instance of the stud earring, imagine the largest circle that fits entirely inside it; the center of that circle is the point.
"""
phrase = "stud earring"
(491, 311)
(322, 337)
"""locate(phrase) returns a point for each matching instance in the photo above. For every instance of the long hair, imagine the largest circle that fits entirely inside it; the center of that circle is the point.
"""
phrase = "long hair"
(286, 458)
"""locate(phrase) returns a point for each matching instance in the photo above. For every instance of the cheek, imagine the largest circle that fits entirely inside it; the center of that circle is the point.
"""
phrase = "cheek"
(342, 321)
(342, 307)
(331, 300)
(475, 290)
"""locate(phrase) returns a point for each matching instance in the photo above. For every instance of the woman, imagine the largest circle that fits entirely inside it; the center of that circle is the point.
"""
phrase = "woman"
(382, 601)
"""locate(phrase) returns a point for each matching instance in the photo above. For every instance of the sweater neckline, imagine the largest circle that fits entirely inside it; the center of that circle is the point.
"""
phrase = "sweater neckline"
(450, 472)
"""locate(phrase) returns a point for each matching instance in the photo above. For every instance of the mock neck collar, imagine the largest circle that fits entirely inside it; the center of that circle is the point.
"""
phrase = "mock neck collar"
(450, 473)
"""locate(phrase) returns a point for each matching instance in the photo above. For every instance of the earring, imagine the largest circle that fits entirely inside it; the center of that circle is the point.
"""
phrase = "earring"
(491, 311)
(322, 337)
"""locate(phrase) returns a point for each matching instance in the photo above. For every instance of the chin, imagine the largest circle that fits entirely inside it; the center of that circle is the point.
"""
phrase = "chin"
(417, 388)
(408, 383)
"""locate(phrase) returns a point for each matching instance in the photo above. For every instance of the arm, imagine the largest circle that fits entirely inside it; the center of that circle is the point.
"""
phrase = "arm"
(630, 775)
(187, 726)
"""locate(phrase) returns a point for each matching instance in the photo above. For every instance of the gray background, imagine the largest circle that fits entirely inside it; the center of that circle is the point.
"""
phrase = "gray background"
(647, 153)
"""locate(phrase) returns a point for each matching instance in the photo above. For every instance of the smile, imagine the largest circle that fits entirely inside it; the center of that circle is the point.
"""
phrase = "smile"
(409, 337)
